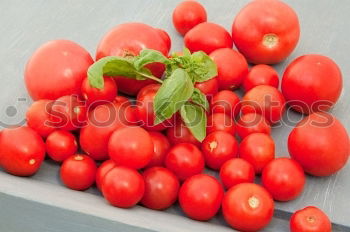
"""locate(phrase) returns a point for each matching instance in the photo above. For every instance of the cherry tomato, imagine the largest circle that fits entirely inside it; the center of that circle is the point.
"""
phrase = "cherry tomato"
(185, 160)
(226, 102)
(60, 145)
(265, 100)
(284, 178)
(266, 31)
(310, 219)
(218, 147)
(38, 117)
(131, 147)
(165, 36)
(187, 15)
(102, 170)
(179, 133)
(207, 37)
(232, 67)
(247, 207)
(320, 144)
(123, 187)
(161, 188)
(220, 122)
(97, 96)
(260, 74)
(22, 151)
(252, 123)
(200, 197)
(161, 147)
(258, 149)
(122, 100)
(78, 172)
(236, 171)
(209, 88)
(306, 83)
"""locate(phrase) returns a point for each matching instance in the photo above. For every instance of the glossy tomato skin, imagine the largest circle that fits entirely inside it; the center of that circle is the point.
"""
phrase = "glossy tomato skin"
(310, 219)
(123, 187)
(165, 36)
(320, 144)
(247, 207)
(102, 170)
(252, 123)
(232, 67)
(200, 197)
(218, 147)
(22, 151)
(260, 74)
(226, 102)
(187, 15)
(209, 87)
(60, 145)
(306, 84)
(258, 149)
(78, 172)
(124, 101)
(95, 96)
(207, 37)
(179, 133)
(220, 122)
(185, 160)
(38, 117)
(266, 31)
(131, 147)
(161, 147)
(161, 188)
(236, 171)
(284, 178)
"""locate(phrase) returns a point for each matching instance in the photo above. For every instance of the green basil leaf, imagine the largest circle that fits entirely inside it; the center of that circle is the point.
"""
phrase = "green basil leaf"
(195, 119)
(200, 99)
(186, 52)
(203, 67)
(148, 56)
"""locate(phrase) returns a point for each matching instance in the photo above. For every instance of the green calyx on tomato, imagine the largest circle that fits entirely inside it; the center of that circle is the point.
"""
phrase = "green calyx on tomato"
(177, 91)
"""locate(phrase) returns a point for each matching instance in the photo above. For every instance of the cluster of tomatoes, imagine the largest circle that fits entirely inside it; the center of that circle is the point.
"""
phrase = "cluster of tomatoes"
(156, 165)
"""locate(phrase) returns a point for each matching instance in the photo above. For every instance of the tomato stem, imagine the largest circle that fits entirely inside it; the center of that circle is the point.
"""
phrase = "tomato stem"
(151, 77)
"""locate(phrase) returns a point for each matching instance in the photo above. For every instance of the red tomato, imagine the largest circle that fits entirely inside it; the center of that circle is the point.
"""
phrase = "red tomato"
(218, 147)
(306, 83)
(122, 100)
(310, 219)
(165, 36)
(226, 102)
(266, 31)
(102, 170)
(320, 144)
(209, 88)
(56, 69)
(220, 122)
(179, 133)
(97, 96)
(161, 188)
(131, 147)
(60, 145)
(236, 171)
(123, 187)
(200, 197)
(260, 74)
(38, 117)
(78, 172)
(207, 37)
(232, 67)
(252, 123)
(284, 178)
(187, 15)
(265, 100)
(247, 207)
(22, 151)
(161, 147)
(185, 160)
(258, 149)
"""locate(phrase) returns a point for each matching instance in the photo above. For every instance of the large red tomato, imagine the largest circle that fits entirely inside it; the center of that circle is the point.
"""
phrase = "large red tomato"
(38, 117)
(56, 69)
(320, 144)
(310, 219)
(266, 31)
(312, 83)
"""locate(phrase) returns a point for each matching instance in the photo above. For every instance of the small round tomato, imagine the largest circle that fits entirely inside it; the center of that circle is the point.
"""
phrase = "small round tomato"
(260, 74)
(220, 122)
(310, 219)
(161, 147)
(207, 37)
(265, 100)
(165, 36)
(236, 171)
(131, 147)
(284, 178)
(258, 149)
(252, 123)
(187, 15)
(185, 160)
(218, 147)
(22, 151)
(226, 102)
(232, 67)
(266, 31)
(38, 117)
(161, 188)
(306, 83)
(78, 172)
(94, 96)
(60, 145)
(200, 197)
(102, 170)
(124, 101)
(179, 133)
(209, 88)
(320, 144)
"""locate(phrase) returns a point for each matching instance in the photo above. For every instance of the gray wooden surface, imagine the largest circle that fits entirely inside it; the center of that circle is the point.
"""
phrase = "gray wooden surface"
(41, 203)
